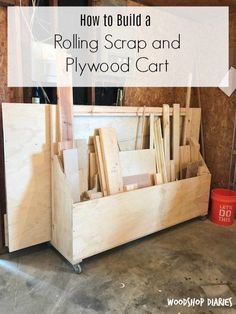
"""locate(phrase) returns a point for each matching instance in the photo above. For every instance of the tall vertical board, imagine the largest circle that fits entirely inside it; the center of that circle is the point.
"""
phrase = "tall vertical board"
(176, 137)
(110, 152)
(166, 137)
(27, 167)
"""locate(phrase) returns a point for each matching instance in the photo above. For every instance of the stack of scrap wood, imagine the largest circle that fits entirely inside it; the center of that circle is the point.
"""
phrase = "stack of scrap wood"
(177, 154)
(97, 167)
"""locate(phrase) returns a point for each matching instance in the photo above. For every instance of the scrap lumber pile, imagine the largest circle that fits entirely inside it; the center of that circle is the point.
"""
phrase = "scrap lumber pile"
(97, 168)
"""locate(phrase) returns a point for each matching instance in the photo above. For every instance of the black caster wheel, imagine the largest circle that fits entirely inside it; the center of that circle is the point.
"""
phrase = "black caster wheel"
(77, 268)
(203, 218)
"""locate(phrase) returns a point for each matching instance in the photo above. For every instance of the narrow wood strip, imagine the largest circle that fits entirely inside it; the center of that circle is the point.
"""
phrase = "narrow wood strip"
(172, 171)
(123, 111)
(176, 137)
(65, 101)
(110, 155)
(151, 128)
(160, 150)
(166, 137)
(99, 160)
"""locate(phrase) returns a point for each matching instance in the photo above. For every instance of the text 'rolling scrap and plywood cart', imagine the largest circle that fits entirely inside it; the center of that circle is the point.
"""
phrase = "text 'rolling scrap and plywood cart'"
(80, 229)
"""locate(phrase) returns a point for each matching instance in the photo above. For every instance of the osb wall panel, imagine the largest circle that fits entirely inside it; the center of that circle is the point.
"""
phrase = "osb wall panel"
(218, 111)
(154, 97)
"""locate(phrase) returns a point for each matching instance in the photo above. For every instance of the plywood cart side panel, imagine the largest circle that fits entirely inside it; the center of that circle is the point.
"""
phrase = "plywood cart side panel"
(61, 212)
(102, 224)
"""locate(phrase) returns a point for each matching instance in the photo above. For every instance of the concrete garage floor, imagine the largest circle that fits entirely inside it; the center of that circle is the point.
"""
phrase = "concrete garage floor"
(194, 259)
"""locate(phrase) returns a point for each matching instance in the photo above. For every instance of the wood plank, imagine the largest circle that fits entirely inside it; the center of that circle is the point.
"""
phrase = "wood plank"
(65, 145)
(76, 172)
(71, 170)
(108, 111)
(27, 168)
(187, 121)
(93, 170)
(185, 159)
(54, 130)
(100, 165)
(142, 143)
(157, 178)
(194, 149)
(128, 216)
(166, 137)
(151, 126)
(176, 137)
(157, 139)
(160, 151)
(83, 161)
(195, 123)
(163, 161)
(136, 162)
(110, 155)
(130, 187)
(172, 171)
(92, 195)
(96, 195)
(65, 101)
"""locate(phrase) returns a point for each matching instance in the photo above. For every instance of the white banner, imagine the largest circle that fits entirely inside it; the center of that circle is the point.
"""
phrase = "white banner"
(117, 46)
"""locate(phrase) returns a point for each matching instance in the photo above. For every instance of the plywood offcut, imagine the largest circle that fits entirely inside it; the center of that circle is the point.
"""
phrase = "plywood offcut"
(27, 169)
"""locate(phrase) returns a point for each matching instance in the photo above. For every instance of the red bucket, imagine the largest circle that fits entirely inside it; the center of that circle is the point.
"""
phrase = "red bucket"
(223, 206)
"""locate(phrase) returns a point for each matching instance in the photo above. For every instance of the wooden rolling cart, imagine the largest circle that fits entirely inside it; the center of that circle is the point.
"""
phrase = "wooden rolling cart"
(45, 204)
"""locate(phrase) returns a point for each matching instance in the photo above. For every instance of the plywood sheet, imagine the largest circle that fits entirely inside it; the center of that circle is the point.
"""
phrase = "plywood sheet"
(137, 162)
(71, 169)
(126, 122)
(125, 126)
(27, 167)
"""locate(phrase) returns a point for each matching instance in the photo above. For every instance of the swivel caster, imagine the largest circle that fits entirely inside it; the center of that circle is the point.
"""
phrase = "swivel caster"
(77, 268)
(203, 218)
